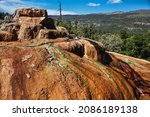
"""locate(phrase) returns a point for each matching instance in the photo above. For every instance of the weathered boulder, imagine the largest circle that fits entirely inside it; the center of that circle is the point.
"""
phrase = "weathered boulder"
(47, 34)
(52, 33)
(48, 23)
(63, 31)
(7, 36)
(29, 32)
(7, 19)
(29, 12)
(11, 27)
(30, 20)
(31, 23)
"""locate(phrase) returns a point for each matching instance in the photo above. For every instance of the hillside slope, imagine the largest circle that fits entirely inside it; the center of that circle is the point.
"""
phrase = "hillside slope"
(133, 20)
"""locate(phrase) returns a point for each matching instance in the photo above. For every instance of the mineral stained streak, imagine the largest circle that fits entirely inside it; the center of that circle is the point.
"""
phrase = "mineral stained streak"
(39, 61)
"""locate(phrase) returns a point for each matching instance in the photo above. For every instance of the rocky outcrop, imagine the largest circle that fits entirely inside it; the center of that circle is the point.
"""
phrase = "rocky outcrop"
(29, 12)
(31, 23)
(66, 69)
(7, 36)
(47, 34)
(48, 63)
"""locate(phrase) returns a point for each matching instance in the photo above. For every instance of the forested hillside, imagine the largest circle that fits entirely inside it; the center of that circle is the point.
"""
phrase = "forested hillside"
(127, 33)
(133, 20)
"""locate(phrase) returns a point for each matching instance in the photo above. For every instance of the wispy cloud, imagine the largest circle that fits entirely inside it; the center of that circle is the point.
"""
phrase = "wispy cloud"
(11, 5)
(114, 1)
(56, 12)
(11, 0)
(93, 4)
(14, 0)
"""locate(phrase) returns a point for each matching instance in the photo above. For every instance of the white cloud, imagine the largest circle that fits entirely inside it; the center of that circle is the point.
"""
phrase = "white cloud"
(68, 13)
(13, 0)
(11, 5)
(93, 4)
(114, 1)
(56, 12)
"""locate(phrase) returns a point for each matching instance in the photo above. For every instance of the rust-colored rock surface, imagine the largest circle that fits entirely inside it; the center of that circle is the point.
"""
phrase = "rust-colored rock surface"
(31, 23)
(7, 36)
(67, 69)
(29, 12)
(137, 70)
(44, 62)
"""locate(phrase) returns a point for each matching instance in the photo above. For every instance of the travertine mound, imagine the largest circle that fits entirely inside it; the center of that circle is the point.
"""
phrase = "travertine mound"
(66, 69)
(31, 23)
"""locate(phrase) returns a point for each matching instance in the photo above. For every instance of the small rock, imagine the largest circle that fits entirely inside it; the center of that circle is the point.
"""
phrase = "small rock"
(28, 75)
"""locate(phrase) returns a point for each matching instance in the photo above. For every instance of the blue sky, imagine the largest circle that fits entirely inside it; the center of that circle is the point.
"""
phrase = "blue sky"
(76, 6)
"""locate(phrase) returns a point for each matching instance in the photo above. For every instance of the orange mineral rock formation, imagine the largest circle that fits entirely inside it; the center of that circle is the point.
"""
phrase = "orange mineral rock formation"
(30, 23)
(48, 65)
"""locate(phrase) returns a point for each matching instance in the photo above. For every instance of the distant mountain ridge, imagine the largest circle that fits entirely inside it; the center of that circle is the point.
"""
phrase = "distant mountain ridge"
(132, 20)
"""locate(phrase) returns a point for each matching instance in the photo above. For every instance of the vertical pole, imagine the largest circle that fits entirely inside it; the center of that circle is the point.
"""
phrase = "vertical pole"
(60, 11)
